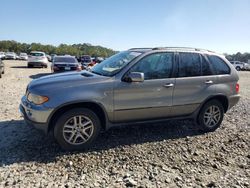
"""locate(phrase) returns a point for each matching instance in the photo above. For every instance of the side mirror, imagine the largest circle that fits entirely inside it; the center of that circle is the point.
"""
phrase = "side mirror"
(134, 77)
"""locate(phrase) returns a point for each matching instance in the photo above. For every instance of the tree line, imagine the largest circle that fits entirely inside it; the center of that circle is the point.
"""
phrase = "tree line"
(82, 49)
(62, 49)
(243, 57)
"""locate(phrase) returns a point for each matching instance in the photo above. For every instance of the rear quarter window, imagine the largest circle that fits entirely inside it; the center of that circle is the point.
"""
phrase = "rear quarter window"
(219, 65)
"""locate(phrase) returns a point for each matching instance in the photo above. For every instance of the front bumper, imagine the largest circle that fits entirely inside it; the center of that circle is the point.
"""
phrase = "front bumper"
(35, 115)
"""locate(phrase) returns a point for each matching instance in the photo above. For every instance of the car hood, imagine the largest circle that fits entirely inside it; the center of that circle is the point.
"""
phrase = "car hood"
(65, 80)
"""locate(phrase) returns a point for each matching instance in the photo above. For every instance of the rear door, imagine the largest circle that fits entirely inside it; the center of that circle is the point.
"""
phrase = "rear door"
(149, 99)
(195, 82)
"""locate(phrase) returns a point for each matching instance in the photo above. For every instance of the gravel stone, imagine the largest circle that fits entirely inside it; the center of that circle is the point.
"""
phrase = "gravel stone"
(170, 154)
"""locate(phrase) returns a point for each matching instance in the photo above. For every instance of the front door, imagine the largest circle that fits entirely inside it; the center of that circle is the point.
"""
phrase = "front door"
(149, 99)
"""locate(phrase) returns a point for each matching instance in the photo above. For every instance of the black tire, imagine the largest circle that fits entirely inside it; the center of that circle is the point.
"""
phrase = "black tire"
(30, 66)
(238, 68)
(63, 119)
(203, 117)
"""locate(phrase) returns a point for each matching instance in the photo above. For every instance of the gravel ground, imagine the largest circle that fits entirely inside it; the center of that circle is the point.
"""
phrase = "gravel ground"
(171, 154)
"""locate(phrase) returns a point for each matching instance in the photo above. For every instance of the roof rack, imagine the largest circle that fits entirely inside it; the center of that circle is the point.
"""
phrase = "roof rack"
(140, 48)
(180, 48)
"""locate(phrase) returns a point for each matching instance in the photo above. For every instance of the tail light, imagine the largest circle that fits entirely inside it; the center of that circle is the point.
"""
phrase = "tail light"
(237, 88)
(79, 68)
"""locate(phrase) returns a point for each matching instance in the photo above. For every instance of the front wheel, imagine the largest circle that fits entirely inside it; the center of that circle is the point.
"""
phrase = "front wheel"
(76, 129)
(238, 68)
(211, 116)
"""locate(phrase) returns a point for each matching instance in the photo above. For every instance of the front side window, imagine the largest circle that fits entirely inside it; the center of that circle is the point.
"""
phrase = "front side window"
(155, 66)
(220, 66)
(189, 65)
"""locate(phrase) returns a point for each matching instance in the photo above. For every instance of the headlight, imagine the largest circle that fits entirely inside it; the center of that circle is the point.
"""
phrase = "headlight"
(37, 99)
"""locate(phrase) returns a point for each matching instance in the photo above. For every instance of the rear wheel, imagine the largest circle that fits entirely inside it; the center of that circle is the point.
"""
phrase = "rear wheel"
(211, 116)
(76, 129)
(30, 66)
(238, 68)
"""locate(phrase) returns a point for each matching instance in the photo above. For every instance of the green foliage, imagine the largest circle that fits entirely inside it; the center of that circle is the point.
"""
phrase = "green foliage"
(62, 49)
(238, 57)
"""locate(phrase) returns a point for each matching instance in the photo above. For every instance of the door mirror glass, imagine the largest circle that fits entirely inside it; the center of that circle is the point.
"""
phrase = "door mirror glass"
(134, 77)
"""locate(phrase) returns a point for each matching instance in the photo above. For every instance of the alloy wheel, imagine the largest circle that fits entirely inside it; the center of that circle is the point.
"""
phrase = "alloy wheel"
(78, 130)
(212, 116)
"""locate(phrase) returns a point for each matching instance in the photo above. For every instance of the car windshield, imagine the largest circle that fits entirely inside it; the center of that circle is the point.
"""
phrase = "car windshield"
(115, 63)
(65, 59)
(23, 54)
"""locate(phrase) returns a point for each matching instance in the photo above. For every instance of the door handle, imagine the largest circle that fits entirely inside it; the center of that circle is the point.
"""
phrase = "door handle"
(169, 85)
(209, 82)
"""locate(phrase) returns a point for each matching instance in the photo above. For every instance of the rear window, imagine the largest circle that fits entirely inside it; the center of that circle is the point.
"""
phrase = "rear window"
(37, 54)
(189, 65)
(65, 59)
(220, 66)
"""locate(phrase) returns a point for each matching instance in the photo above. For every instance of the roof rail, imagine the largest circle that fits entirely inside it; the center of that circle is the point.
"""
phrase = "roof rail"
(140, 48)
(179, 48)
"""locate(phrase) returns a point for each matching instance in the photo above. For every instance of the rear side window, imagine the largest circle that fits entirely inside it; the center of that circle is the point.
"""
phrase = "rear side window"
(206, 67)
(220, 66)
(189, 65)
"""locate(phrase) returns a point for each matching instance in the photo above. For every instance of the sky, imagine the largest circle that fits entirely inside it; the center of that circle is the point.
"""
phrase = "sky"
(218, 25)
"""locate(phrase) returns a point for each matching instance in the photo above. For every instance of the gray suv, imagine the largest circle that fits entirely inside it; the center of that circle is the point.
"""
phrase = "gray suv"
(134, 86)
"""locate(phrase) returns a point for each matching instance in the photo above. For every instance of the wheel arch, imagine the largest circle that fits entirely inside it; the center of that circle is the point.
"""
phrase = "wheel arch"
(95, 107)
(221, 98)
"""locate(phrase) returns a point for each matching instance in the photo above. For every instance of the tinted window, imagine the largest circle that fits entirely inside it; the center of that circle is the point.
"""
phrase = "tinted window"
(220, 66)
(155, 66)
(189, 65)
(65, 59)
(205, 67)
(37, 54)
